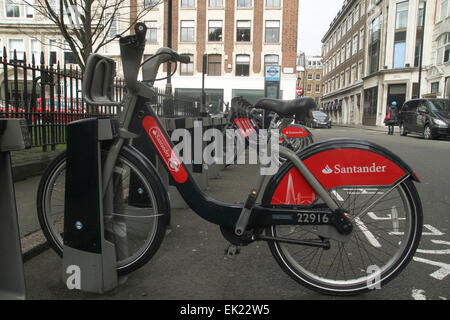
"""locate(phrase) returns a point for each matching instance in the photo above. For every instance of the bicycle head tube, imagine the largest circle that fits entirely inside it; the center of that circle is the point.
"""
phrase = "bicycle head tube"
(131, 51)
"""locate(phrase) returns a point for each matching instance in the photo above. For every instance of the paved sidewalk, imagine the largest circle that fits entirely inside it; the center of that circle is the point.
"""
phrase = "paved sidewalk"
(371, 128)
(31, 163)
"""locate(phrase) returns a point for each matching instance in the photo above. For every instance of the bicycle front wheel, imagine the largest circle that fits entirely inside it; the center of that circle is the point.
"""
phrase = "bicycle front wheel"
(137, 223)
(383, 241)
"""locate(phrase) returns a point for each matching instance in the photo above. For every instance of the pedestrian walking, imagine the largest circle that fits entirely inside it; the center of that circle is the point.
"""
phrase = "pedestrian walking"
(391, 119)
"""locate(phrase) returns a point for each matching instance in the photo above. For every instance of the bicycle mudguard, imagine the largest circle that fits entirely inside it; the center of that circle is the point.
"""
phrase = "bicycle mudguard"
(295, 131)
(336, 163)
(241, 127)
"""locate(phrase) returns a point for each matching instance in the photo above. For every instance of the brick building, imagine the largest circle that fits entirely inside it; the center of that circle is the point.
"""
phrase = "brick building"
(239, 38)
(309, 77)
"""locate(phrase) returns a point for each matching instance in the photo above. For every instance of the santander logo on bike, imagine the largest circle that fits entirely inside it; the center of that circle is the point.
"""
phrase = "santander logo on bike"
(339, 169)
(165, 150)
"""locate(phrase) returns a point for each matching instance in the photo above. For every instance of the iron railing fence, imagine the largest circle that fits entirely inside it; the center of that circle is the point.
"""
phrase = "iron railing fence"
(50, 96)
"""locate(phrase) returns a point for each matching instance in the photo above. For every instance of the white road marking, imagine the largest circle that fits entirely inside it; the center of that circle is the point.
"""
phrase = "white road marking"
(369, 235)
(440, 274)
(357, 191)
(418, 294)
(338, 196)
(433, 231)
(446, 251)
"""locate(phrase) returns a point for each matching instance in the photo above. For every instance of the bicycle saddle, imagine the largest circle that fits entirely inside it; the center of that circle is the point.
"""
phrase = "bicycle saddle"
(287, 108)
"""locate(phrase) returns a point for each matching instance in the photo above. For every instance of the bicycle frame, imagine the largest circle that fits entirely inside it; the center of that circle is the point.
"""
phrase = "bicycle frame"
(140, 118)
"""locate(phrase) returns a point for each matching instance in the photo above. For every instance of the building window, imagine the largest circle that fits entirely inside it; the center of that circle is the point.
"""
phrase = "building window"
(370, 101)
(447, 88)
(349, 49)
(356, 14)
(318, 76)
(244, 3)
(349, 22)
(317, 88)
(187, 3)
(443, 50)
(216, 3)
(243, 31)
(271, 60)
(214, 64)
(18, 46)
(187, 69)
(215, 30)
(52, 51)
(53, 5)
(273, 31)
(114, 27)
(310, 76)
(34, 50)
(29, 9)
(149, 4)
(354, 75)
(355, 44)
(309, 88)
(273, 3)
(152, 31)
(242, 65)
(400, 34)
(69, 57)
(374, 44)
(187, 31)
(361, 38)
(12, 9)
(444, 9)
(435, 87)
(419, 31)
(360, 70)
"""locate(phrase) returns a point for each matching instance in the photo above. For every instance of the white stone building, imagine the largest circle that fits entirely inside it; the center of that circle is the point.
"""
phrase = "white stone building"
(438, 75)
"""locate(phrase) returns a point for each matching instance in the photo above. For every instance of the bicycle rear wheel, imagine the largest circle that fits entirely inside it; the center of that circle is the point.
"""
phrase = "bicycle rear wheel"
(382, 243)
(137, 224)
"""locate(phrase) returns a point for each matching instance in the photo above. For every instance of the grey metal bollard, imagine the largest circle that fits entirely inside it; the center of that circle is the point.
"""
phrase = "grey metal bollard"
(89, 260)
(13, 136)
(198, 171)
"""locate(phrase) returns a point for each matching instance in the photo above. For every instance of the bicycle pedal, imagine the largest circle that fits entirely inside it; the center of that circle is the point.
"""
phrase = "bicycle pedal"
(232, 251)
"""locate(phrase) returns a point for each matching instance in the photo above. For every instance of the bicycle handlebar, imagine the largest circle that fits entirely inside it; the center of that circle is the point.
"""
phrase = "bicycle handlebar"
(132, 50)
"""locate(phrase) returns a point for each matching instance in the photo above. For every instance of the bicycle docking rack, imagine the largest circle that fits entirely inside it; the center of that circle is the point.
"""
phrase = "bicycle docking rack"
(14, 136)
(89, 260)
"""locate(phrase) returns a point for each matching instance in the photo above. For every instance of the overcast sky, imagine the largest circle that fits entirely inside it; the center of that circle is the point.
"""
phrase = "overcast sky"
(315, 17)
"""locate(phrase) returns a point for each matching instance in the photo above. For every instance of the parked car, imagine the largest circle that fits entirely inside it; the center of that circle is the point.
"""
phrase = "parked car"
(318, 119)
(65, 110)
(430, 117)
